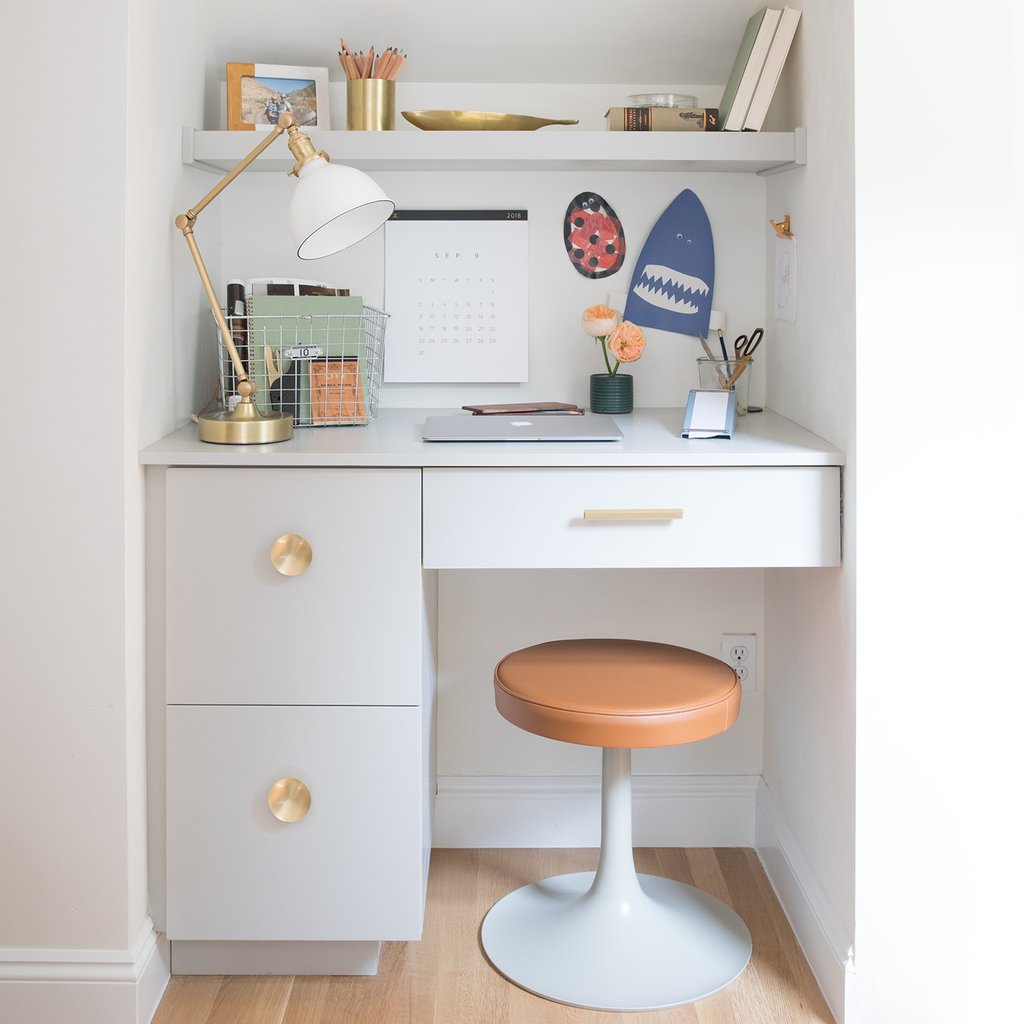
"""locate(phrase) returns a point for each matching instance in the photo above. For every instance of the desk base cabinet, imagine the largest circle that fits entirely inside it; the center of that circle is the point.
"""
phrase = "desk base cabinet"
(350, 869)
(293, 632)
(321, 679)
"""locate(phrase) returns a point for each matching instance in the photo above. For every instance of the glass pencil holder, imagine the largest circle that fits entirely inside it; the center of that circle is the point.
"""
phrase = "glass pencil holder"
(727, 374)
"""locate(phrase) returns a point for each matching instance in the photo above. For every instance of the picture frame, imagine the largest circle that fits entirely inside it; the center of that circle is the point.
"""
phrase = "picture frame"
(710, 412)
(258, 93)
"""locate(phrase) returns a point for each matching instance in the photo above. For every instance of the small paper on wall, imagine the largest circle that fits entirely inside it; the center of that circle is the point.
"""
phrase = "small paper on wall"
(785, 279)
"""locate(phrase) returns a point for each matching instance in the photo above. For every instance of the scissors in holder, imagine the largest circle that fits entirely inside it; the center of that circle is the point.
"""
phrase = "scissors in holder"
(746, 347)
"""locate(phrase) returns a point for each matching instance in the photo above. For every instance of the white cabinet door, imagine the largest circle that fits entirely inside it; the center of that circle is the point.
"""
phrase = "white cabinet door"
(351, 869)
(631, 518)
(344, 631)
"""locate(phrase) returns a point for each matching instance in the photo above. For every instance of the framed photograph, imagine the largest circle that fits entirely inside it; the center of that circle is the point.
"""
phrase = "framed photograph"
(259, 93)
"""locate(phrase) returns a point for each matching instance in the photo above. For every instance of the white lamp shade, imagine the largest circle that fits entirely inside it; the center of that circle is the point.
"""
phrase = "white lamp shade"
(334, 207)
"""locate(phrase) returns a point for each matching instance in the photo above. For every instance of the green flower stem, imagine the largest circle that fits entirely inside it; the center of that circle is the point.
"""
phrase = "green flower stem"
(604, 352)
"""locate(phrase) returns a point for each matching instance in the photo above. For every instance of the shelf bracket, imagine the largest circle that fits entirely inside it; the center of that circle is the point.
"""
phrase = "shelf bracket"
(799, 155)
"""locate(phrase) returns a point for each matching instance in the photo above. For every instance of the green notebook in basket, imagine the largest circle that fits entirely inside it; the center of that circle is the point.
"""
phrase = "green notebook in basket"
(281, 322)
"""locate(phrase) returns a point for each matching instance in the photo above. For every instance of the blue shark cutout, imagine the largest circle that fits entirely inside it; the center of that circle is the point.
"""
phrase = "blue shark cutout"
(674, 277)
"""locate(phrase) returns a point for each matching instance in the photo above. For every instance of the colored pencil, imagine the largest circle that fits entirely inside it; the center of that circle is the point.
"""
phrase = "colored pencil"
(371, 64)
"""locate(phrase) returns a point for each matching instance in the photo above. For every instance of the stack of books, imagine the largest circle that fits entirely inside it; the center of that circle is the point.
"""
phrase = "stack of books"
(755, 73)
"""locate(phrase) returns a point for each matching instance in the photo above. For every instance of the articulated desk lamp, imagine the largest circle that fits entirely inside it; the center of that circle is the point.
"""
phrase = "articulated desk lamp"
(333, 207)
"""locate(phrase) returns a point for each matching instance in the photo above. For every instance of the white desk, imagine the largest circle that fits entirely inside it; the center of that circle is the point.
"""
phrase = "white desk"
(329, 677)
(651, 438)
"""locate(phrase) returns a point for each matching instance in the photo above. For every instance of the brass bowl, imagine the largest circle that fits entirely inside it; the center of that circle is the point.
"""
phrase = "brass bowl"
(476, 121)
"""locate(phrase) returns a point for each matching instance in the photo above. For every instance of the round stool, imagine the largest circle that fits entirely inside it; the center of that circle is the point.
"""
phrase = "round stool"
(612, 939)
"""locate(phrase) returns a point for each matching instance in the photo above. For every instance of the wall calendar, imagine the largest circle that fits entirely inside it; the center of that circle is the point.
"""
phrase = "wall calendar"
(456, 289)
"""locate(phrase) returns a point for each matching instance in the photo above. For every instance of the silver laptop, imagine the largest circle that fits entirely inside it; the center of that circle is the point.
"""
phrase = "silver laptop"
(467, 427)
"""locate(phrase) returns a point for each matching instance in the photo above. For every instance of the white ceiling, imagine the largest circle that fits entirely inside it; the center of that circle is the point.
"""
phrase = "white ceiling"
(683, 42)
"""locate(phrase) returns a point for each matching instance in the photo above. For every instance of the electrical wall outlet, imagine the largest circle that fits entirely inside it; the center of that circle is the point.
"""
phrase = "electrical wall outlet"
(739, 650)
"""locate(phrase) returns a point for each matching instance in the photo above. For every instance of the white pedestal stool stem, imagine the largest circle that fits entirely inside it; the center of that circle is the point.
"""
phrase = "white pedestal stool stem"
(616, 879)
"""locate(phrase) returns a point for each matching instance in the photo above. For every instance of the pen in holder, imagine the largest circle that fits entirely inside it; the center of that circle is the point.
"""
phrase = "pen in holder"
(371, 105)
(727, 375)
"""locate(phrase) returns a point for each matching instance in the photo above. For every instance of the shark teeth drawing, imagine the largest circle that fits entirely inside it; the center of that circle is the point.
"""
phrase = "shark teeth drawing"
(669, 289)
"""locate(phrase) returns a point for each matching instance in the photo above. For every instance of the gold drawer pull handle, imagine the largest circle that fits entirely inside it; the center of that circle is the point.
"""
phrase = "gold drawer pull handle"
(612, 514)
(289, 800)
(291, 554)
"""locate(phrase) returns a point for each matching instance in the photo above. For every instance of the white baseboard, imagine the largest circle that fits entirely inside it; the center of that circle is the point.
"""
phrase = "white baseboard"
(565, 811)
(825, 940)
(85, 986)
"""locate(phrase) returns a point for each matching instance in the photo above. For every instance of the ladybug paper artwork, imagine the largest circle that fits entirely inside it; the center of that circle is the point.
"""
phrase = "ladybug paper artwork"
(593, 234)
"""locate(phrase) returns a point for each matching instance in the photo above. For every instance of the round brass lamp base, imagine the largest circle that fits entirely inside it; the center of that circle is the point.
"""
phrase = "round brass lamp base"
(233, 428)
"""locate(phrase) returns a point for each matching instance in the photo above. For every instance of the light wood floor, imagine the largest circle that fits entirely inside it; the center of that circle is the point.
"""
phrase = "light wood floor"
(445, 979)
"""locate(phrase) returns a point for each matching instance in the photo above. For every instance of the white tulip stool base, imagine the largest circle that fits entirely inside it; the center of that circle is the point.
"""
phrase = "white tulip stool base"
(673, 944)
(610, 939)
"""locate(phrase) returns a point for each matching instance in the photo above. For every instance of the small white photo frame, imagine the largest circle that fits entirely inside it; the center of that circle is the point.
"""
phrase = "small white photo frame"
(259, 93)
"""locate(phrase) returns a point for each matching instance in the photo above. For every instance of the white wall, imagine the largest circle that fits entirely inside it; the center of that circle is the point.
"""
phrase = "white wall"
(163, 306)
(939, 266)
(809, 622)
(561, 356)
(90, 316)
(62, 735)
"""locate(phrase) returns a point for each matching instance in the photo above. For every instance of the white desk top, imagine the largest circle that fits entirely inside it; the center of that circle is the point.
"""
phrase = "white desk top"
(393, 439)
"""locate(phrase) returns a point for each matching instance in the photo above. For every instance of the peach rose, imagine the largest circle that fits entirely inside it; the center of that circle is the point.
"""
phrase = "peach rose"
(600, 321)
(627, 342)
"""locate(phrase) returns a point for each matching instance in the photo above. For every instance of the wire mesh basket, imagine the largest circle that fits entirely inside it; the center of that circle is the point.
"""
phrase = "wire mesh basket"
(323, 368)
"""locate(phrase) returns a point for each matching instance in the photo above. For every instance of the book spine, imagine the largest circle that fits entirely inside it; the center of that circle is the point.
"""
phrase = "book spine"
(664, 119)
(765, 90)
(759, 47)
(236, 313)
(636, 119)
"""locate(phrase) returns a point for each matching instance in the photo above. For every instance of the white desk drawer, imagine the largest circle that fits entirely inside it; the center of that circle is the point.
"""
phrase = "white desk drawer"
(727, 517)
(351, 869)
(344, 631)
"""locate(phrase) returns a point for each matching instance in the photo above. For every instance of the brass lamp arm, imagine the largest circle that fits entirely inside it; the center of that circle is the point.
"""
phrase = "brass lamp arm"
(211, 297)
(271, 137)
(185, 223)
(303, 150)
(244, 422)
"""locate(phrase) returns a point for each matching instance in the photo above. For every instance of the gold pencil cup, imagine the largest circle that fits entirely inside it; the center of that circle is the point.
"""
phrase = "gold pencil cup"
(371, 105)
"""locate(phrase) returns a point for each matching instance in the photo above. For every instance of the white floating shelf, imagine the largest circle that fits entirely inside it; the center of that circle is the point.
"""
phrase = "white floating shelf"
(545, 150)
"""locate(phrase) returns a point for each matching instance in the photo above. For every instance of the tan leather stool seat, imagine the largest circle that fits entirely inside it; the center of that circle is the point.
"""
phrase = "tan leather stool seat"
(616, 693)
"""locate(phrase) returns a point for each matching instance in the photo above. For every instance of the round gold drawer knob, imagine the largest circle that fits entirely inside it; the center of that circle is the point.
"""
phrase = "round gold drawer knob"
(289, 800)
(291, 554)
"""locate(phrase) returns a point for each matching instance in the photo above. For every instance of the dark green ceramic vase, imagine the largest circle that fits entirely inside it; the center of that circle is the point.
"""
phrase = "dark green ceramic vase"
(611, 393)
